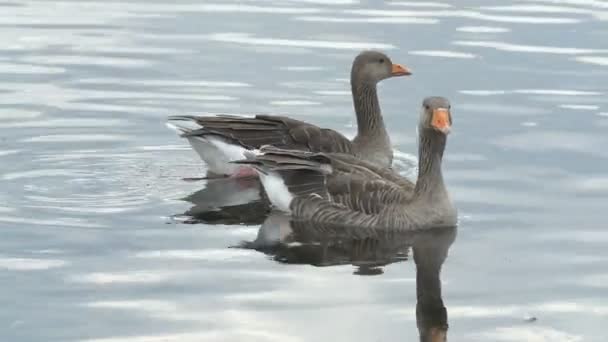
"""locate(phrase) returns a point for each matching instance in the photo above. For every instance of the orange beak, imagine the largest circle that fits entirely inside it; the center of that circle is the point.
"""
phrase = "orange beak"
(400, 70)
(441, 120)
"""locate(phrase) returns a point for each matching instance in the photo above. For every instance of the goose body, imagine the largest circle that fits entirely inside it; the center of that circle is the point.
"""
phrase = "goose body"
(342, 189)
(221, 139)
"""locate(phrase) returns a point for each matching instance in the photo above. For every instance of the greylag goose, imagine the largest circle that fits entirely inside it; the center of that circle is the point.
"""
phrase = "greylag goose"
(220, 139)
(334, 188)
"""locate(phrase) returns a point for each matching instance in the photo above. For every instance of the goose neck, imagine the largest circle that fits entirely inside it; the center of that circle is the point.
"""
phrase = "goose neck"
(367, 108)
(430, 154)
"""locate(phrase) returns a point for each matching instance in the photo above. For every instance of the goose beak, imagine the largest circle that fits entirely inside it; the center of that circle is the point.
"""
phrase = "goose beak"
(400, 70)
(441, 120)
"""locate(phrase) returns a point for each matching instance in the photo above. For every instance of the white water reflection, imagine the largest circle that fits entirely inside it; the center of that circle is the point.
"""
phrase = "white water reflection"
(294, 103)
(22, 68)
(181, 84)
(537, 9)
(30, 264)
(483, 92)
(531, 334)
(18, 114)
(589, 3)
(65, 122)
(370, 20)
(131, 277)
(467, 14)
(568, 93)
(88, 168)
(419, 4)
(120, 62)
(597, 60)
(592, 184)
(62, 138)
(443, 53)
(247, 39)
(579, 107)
(502, 46)
(207, 255)
(483, 29)
(559, 92)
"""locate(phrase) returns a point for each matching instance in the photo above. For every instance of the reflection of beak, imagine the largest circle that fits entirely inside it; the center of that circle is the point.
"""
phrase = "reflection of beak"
(441, 120)
(400, 70)
(438, 334)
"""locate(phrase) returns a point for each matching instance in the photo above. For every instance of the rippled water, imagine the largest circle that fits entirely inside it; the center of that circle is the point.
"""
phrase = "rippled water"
(91, 178)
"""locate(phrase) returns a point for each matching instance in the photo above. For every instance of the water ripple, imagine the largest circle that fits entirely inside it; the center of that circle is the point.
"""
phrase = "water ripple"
(248, 39)
(30, 264)
(555, 92)
(597, 60)
(483, 29)
(131, 277)
(295, 103)
(530, 333)
(501, 46)
(23, 68)
(557, 141)
(163, 83)
(579, 107)
(371, 20)
(62, 138)
(117, 62)
(588, 3)
(443, 53)
(465, 14)
(66, 122)
(419, 4)
(537, 9)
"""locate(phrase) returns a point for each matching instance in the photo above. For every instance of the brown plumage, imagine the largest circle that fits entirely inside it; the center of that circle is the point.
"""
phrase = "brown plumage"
(371, 143)
(341, 189)
(275, 130)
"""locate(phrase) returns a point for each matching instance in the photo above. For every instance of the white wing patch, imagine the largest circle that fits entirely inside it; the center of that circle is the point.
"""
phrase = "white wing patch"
(277, 191)
(215, 152)
(232, 152)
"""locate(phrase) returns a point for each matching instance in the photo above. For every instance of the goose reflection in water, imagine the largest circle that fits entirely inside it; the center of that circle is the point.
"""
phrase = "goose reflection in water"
(297, 242)
(231, 201)
(301, 242)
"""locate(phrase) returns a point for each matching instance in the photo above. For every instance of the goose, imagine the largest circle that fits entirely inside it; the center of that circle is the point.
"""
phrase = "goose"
(220, 139)
(340, 189)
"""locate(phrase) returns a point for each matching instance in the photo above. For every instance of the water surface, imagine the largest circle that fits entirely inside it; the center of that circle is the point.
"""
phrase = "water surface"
(91, 178)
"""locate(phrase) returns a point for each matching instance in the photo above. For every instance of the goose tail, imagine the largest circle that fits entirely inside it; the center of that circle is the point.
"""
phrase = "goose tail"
(216, 150)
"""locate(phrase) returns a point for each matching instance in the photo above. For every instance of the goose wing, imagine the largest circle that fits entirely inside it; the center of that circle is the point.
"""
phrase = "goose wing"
(255, 132)
(326, 188)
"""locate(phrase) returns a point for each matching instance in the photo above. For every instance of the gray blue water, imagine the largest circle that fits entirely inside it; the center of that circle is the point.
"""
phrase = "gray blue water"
(91, 179)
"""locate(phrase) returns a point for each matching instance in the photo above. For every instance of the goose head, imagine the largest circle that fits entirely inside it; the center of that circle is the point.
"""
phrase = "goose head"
(436, 115)
(374, 66)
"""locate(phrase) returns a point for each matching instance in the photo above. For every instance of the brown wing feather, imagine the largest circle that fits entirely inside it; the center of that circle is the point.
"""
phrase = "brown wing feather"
(275, 130)
(345, 182)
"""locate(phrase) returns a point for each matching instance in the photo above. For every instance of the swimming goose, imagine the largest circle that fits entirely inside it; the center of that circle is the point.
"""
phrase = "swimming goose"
(220, 139)
(333, 188)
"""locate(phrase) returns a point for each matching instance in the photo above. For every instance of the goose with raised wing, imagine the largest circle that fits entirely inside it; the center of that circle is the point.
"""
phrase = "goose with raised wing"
(341, 189)
(221, 139)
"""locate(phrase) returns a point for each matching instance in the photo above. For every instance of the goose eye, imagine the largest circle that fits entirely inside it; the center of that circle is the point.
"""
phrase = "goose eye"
(427, 107)
(381, 60)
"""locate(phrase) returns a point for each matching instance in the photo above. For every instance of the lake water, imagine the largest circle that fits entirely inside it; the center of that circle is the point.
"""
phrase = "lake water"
(95, 246)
